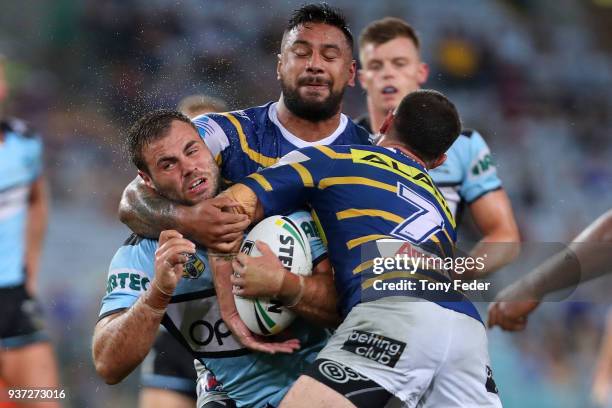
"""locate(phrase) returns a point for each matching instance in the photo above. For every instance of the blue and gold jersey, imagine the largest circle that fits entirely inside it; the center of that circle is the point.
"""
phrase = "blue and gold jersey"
(246, 141)
(468, 172)
(194, 319)
(362, 195)
(20, 166)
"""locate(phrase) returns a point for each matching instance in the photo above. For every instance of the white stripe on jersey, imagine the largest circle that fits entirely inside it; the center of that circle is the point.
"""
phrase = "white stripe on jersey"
(13, 200)
(214, 137)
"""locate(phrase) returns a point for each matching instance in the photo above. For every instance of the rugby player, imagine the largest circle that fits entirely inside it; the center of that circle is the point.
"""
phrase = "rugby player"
(391, 67)
(26, 356)
(315, 66)
(387, 344)
(152, 282)
(168, 377)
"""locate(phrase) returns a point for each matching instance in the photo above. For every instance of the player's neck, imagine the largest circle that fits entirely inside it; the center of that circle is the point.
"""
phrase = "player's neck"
(404, 150)
(305, 129)
(377, 116)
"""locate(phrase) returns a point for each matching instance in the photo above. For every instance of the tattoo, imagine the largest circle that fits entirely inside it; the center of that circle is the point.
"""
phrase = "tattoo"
(145, 212)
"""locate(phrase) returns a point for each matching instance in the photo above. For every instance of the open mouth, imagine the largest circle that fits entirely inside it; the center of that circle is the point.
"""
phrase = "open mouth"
(389, 90)
(197, 185)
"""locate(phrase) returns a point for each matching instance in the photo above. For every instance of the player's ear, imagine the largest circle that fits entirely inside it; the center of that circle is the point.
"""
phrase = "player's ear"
(146, 178)
(437, 162)
(360, 77)
(352, 71)
(422, 73)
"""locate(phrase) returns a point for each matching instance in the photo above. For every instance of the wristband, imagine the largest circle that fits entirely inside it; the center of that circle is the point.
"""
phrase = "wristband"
(156, 311)
(225, 256)
(297, 297)
(160, 289)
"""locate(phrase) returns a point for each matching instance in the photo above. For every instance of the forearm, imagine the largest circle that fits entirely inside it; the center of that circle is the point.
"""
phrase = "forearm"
(36, 228)
(318, 301)
(121, 344)
(494, 251)
(588, 257)
(222, 271)
(147, 213)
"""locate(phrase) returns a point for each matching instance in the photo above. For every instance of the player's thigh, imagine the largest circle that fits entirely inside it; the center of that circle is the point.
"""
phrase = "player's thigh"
(307, 392)
(158, 398)
(169, 367)
(393, 343)
(33, 366)
(465, 378)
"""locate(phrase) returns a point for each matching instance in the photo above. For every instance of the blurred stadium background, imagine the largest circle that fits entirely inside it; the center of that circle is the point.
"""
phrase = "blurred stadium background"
(533, 76)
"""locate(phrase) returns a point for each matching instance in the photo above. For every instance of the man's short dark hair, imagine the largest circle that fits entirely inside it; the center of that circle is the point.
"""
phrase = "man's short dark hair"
(384, 30)
(427, 122)
(152, 126)
(320, 13)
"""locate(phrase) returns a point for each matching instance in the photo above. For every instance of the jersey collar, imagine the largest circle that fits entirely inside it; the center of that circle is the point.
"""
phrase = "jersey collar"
(296, 141)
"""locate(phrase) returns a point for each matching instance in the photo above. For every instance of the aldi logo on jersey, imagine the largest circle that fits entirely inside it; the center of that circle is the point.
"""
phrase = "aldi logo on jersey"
(194, 267)
(383, 350)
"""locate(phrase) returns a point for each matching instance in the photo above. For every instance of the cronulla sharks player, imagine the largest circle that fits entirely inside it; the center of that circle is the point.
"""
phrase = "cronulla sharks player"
(391, 67)
(152, 282)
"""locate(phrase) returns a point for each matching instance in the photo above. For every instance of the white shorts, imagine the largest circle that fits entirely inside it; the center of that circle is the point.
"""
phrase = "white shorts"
(424, 354)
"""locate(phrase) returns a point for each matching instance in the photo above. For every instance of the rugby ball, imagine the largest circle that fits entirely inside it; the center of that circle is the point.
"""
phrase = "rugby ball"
(291, 245)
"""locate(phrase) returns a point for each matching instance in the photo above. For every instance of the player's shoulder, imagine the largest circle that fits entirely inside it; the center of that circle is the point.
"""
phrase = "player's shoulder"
(23, 134)
(469, 137)
(362, 135)
(18, 127)
(469, 143)
(136, 252)
(233, 122)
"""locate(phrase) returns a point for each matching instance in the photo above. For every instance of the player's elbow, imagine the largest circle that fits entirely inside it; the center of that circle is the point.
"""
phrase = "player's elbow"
(107, 371)
(125, 210)
(104, 361)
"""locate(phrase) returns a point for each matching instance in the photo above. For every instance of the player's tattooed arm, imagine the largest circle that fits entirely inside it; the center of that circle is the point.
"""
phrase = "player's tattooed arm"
(313, 297)
(121, 341)
(147, 213)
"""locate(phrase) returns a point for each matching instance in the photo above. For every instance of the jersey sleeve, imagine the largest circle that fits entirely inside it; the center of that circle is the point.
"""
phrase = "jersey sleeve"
(289, 184)
(129, 276)
(481, 173)
(213, 135)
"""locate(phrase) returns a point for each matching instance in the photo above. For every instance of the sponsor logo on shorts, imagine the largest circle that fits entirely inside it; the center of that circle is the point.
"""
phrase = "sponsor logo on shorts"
(490, 384)
(339, 373)
(375, 347)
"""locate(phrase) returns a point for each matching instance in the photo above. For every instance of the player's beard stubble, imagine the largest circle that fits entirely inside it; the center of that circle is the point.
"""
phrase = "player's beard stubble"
(311, 110)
